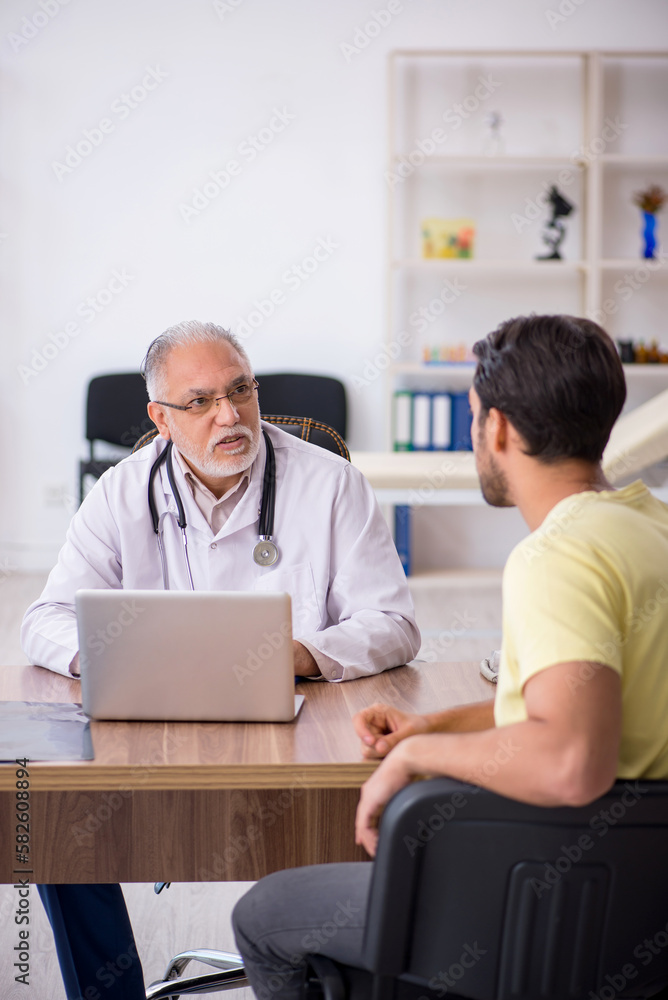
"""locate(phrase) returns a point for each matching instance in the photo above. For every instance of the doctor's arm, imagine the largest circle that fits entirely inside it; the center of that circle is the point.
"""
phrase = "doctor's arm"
(89, 558)
(368, 602)
(305, 662)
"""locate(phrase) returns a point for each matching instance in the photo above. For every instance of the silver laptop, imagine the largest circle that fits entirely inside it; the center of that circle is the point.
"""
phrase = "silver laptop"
(190, 656)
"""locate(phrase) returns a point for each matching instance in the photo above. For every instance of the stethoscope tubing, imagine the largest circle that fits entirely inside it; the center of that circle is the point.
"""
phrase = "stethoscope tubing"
(267, 508)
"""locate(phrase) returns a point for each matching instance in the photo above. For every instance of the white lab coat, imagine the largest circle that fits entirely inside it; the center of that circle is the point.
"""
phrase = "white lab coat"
(350, 603)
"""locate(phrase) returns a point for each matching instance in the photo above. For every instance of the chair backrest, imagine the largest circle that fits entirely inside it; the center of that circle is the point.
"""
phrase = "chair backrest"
(116, 409)
(295, 395)
(301, 427)
(493, 899)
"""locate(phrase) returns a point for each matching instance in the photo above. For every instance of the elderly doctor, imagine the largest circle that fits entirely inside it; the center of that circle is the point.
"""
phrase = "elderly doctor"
(352, 613)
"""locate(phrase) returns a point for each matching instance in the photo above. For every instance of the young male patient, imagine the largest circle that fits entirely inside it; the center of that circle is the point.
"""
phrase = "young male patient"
(582, 690)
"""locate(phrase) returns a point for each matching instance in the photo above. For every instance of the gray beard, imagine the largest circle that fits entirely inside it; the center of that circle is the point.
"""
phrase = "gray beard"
(204, 459)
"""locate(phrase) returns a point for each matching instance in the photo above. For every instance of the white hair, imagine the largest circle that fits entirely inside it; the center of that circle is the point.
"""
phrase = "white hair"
(191, 331)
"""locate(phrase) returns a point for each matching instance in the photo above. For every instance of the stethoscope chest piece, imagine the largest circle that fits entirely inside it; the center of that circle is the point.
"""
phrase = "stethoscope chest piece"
(265, 553)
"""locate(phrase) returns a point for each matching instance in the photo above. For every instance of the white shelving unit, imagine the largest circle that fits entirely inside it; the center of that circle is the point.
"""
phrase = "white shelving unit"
(595, 125)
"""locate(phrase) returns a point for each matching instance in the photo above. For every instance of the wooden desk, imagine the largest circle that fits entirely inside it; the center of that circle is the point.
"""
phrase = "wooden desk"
(197, 801)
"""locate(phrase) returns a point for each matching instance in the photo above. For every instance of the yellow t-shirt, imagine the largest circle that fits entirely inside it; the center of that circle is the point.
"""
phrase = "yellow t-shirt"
(591, 583)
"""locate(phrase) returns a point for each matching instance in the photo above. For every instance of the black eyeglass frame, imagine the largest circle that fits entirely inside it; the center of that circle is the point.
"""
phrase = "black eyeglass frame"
(216, 399)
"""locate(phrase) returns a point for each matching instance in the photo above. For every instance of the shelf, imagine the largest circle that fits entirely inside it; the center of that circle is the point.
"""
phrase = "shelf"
(627, 160)
(454, 578)
(457, 377)
(653, 372)
(463, 371)
(419, 473)
(550, 267)
(591, 123)
(464, 368)
(463, 162)
(654, 264)
(433, 498)
(533, 90)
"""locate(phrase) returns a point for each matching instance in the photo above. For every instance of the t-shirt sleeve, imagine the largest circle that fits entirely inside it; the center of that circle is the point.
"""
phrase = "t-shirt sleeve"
(562, 602)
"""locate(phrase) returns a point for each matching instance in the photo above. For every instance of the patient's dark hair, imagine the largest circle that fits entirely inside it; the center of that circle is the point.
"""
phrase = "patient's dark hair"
(559, 381)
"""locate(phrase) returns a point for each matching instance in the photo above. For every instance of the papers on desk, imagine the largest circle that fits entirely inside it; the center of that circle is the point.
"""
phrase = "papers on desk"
(44, 731)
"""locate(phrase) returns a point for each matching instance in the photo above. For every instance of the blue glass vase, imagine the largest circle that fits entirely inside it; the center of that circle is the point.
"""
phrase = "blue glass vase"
(649, 234)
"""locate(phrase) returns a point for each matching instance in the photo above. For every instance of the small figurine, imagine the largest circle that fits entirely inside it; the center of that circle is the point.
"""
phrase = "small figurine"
(555, 230)
(494, 144)
(626, 352)
(650, 201)
(653, 356)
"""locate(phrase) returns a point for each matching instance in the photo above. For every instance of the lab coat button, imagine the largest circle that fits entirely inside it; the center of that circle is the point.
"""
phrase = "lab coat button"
(214, 545)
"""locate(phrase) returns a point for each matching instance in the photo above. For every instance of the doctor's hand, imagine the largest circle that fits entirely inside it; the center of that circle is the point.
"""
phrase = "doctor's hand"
(390, 777)
(305, 665)
(381, 727)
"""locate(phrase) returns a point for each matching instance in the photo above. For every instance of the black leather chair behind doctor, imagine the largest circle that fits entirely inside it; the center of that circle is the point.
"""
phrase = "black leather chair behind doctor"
(116, 414)
(297, 395)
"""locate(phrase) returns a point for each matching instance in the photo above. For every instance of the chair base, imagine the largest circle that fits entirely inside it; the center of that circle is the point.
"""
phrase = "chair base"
(230, 975)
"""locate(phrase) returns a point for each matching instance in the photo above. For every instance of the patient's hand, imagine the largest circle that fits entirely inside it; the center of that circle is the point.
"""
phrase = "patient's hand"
(381, 727)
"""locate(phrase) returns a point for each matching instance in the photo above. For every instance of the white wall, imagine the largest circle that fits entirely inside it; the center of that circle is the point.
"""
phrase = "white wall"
(227, 66)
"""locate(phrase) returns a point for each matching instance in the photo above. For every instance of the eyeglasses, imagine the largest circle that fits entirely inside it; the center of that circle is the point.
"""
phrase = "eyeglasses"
(239, 396)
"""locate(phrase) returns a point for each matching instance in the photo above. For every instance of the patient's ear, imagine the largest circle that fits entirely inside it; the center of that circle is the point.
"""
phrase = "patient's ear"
(496, 430)
(157, 415)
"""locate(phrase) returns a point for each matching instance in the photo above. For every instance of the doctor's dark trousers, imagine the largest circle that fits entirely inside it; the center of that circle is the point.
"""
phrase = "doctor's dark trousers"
(94, 941)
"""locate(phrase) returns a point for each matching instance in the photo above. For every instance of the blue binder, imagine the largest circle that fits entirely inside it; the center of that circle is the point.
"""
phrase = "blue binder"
(402, 535)
(461, 422)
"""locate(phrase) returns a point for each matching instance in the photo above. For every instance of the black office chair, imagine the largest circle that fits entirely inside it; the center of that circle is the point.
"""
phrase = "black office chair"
(317, 396)
(482, 897)
(115, 413)
(478, 896)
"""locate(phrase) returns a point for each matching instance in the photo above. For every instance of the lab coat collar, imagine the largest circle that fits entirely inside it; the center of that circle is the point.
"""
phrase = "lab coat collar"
(246, 511)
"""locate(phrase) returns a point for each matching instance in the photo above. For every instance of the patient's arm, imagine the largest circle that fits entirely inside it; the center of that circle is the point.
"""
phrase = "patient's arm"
(565, 753)
(381, 727)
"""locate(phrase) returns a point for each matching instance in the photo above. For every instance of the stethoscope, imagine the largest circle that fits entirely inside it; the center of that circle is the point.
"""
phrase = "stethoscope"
(265, 551)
